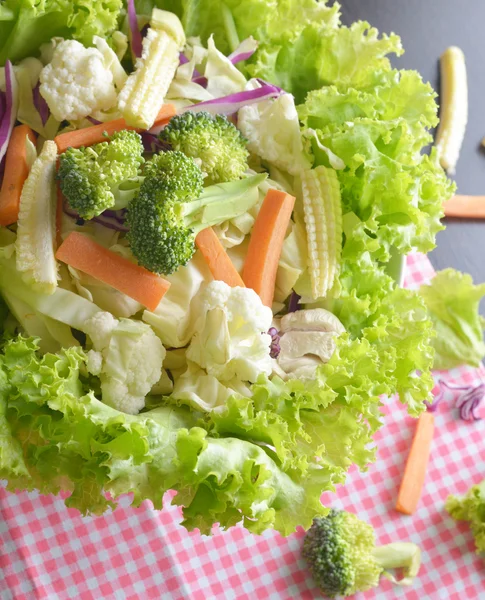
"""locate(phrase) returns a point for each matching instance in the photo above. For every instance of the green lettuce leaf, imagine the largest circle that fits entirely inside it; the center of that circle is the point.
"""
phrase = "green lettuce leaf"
(453, 304)
(345, 57)
(471, 508)
(326, 423)
(393, 320)
(232, 21)
(55, 436)
(11, 460)
(401, 333)
(264, 460)
(3, 314)
(392, 194)
(399, 95)
(27, 24)
(330, 421)
(395, 192)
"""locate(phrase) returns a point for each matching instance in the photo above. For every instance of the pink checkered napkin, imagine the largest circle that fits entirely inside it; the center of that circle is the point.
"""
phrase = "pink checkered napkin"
(49, 552)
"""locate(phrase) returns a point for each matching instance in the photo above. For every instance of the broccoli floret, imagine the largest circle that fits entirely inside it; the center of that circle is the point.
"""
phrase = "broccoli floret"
(214, 141)
(171, 207)
(88, 176)
(172, 173)
(156, 240)
(160, 240)
(342, 556)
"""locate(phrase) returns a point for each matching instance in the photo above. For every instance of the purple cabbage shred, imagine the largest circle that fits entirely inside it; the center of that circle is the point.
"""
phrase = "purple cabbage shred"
(40, 104)
(468, 400)
(227, 105)
(7, 110)
(197, 76)
(468, 403)
(3, 108)
(275, 342)
(151, 143)
(241, 53)
(136, 37)
(111, 219)
(294, 302)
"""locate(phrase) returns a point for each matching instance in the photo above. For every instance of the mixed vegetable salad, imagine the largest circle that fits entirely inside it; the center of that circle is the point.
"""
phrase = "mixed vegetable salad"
(202, 205)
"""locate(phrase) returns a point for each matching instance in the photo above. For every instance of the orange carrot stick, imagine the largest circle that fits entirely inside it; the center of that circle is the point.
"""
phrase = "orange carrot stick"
(466, 207)
(97, 133)
(82, 253)
(266, 243)
(216, 257)
(416, 465)
(16, 172)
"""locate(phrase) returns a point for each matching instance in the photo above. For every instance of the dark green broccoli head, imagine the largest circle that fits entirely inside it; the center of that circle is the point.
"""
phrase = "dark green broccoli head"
(176, 171)
(160, 240)
(88, 175)
(157, 240)
(216, 142)
(338, 549)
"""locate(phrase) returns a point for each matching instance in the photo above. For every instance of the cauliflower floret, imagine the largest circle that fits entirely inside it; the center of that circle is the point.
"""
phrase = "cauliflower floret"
(132, 366)
(94, 362)
(231, 340)
(77, 82)
(99, 328)
(127, 357)
(272, 129)
(214, 295)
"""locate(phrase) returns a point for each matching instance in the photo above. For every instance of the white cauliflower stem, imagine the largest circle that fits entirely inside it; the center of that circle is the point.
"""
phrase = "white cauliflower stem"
(77, 82)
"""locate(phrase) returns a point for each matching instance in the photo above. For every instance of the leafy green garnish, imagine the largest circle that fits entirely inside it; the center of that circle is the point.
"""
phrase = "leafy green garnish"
(26, 25)
(453, 304)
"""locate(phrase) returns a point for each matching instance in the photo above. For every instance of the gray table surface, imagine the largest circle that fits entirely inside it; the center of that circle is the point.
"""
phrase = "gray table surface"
(427, 28)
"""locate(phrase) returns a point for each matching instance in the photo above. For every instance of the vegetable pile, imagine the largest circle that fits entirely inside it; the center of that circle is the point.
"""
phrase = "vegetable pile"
(157, 229)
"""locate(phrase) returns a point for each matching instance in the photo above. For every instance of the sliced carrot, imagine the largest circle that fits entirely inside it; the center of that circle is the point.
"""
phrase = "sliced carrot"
(216, 257)
(416, 465)
(97, 133)
(83, 253)
(16, 172)
(266, 243)
(59, 214)
(466, 207)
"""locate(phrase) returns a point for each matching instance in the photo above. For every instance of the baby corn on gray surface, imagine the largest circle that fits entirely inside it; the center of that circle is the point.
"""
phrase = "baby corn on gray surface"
(454, 107)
